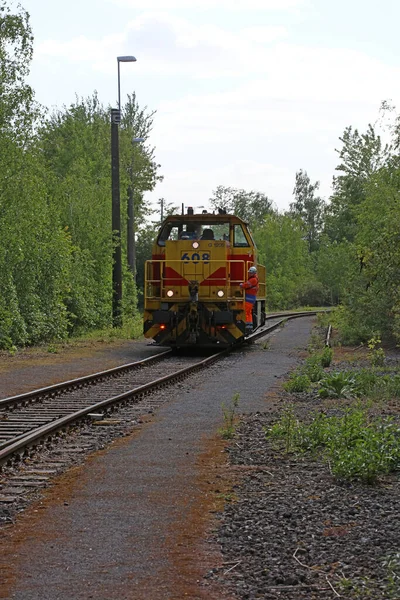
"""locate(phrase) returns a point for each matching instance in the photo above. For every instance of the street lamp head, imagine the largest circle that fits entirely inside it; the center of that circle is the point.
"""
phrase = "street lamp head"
(136, 140)
(126, 59)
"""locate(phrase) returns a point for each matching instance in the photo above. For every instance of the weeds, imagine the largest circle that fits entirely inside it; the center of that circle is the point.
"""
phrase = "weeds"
(338, 385)
(392, 565)
(376, 353)
(313, 368)
(286, 429)
(297, 383)
(315, 343)
(326, 357)
(354, 445)
(229, 414)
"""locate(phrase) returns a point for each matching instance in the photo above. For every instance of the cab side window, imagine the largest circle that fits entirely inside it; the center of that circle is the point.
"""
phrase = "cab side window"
(170, 231)
(239, 238)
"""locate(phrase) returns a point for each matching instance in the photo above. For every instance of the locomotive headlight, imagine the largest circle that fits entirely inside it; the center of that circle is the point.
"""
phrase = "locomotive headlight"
(170, 293)
(220, 293)
(195, 245)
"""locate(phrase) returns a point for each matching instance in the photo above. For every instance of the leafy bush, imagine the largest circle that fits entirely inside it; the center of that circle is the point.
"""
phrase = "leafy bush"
(326, 357)
(374, 449)
(355, 446)
(313, 369)
(351, 328)
(338, 385)
(313, 293)
(376, 354)
(297, 383)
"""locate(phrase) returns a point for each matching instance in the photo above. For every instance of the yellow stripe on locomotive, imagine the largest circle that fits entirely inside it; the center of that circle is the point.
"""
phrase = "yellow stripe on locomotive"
(192, 284)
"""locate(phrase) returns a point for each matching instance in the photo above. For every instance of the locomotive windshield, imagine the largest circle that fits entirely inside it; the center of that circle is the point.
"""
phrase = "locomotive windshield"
(239, 238)
(194, 230)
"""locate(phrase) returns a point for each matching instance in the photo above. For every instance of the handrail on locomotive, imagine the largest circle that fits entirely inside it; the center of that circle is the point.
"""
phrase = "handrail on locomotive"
(192, 293)
(158, 286)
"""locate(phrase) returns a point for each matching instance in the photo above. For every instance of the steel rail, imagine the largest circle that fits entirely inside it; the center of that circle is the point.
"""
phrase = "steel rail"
(260, 332)
(33, 437)
(57, 388)
(46, 430)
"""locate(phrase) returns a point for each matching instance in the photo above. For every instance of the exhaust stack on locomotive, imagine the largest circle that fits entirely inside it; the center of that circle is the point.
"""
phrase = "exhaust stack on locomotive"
(192, 283)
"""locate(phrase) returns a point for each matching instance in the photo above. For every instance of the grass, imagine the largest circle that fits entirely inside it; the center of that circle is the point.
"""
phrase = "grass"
(356, 445)
(78, 342)
(354, 440)
(230, 417)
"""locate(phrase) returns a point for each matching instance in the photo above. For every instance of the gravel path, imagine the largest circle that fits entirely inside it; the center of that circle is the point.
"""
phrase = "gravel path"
(291, 531)
(133, 521)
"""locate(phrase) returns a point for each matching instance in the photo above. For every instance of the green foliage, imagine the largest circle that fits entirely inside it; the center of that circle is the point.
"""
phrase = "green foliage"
(391, 563)
(338, 385)
(354, 445)
(312, 293)
(309, 208)
(286, 428)
(335, 264)
(229, 414)
(55, 226)
(376, 354)
(284, 252)
(352, 328)
(365, 210)
(326, 357)
(313, 368)
(361, 156)
(252, 206)
(372, 449)
(16, 96)
(298, 382)
(312, 371)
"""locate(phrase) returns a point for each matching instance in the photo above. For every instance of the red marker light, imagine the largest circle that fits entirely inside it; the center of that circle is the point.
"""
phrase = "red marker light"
(163, 326)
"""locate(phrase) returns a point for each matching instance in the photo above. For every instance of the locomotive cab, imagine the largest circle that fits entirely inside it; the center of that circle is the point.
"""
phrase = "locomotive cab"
(192, 287)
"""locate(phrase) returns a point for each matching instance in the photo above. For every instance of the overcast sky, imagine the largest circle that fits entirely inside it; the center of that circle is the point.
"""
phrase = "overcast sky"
(247, 92)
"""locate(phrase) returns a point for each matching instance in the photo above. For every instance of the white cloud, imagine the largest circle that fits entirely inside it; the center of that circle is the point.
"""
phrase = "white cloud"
(169, 46)
(264, 5)
(194, 187)
(222, 94)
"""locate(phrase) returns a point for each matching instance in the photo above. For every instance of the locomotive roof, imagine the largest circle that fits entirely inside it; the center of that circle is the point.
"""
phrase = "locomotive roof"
(204, 218)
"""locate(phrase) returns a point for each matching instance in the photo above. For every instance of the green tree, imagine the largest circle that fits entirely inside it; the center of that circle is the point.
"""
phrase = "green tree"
(378, 246)
(367, 201)
(284, 252)
(335, 266)
(34, 250)
(76, 145)
(361, 156)
(16, 49)
(251, 206)
(309, 207)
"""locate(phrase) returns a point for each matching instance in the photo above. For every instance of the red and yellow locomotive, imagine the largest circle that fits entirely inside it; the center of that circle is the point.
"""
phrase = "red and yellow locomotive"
(192, 283)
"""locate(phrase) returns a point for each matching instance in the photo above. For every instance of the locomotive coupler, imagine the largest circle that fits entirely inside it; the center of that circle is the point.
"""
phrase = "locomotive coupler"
(194, 291)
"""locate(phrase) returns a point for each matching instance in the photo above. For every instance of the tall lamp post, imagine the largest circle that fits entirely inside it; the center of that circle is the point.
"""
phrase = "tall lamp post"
(116, 203)
(131, 213)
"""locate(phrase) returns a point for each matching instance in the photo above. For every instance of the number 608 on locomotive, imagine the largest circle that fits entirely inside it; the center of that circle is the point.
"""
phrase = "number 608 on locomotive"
(192, 292)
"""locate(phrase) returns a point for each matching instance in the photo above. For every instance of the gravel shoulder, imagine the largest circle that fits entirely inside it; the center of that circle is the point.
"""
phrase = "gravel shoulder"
(291, 530)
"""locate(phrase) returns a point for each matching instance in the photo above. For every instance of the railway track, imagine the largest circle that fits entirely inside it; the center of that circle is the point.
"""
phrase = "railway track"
(30, 420)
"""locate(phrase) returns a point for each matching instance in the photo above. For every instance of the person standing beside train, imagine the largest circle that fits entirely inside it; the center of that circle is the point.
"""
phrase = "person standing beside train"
(251, 288)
